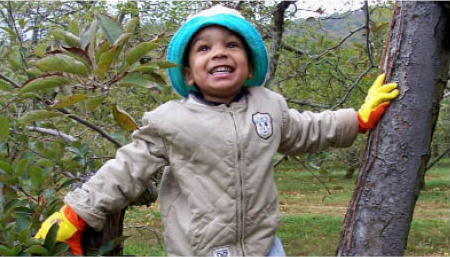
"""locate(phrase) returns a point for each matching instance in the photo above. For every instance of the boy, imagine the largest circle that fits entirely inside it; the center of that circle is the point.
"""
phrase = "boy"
(218, 195)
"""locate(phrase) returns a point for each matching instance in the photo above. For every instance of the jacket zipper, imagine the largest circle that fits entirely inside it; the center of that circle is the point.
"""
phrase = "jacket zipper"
(241, 188)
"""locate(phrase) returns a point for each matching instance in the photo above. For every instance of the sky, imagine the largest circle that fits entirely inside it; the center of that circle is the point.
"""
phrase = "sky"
(328, 6)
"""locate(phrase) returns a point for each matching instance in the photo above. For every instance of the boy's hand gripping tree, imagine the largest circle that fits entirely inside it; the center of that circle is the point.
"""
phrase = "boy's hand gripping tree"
(377, 100)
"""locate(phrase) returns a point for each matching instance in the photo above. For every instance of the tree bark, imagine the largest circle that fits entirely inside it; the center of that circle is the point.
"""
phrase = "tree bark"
(378, 219)
(276, 37)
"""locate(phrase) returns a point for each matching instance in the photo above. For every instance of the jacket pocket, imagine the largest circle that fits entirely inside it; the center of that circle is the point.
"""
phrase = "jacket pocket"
(206, 234)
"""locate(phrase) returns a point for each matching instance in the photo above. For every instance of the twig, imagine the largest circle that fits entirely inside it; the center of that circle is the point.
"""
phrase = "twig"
(314, 175)
(437, 159)
(299, 102)
(9, 81)
(280, 161)
(52, 132)
(353, 86)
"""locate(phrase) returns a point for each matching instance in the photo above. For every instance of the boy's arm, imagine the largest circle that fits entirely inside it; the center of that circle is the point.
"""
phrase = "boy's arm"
(120, 180)
(309, 132)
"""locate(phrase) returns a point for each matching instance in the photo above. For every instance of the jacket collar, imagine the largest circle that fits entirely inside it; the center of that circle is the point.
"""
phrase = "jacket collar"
(239, 103)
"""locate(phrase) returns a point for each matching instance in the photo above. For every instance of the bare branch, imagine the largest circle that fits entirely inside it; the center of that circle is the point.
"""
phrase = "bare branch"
(431, 164)
(299, 102)
(9, 81)
(292, 49)
(52, 132)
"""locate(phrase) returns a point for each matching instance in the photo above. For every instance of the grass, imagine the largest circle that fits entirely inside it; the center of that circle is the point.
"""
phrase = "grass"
(312, 219)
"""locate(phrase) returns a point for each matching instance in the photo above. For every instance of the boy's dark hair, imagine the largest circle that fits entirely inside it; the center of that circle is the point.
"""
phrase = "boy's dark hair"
(246, 47)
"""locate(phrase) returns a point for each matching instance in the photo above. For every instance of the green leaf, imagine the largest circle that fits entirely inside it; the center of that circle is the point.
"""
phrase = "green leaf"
(73, 27)
(21, 166)
(37, 115)
(37, 249)
(87, 35)
(10, 32)
(6, 167)
(110, 28)
(40, 50)
(109, 246)
(60, 248)
(44, 82)
(104, 46)
(95, 102)
(139, 51)
(71, 40)
(5, 251)
(145, 68)
(155, 77)
(58, 34)
(50, 239)
(106, 60)
(23, 210)
(64, 63)
(122, 40)
(4, 128)
(135, 79)
(79, 54)
(131, 24)
(68, 101)
(45, 162)
(36, 176)
(24, 235)
(22, 22)
(166, 64)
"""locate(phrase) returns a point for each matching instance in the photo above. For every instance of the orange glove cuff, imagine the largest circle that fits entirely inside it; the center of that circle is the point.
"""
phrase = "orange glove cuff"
(374, 116)
(80, 224)
(73, 217)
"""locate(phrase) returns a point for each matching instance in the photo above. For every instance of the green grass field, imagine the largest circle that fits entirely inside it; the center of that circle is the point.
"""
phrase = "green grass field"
(312, 219)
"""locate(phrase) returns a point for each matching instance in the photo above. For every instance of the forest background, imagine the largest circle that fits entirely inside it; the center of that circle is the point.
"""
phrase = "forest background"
(77, 76)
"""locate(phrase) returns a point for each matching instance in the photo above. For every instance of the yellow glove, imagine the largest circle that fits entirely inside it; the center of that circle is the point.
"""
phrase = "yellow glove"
(377, 100)
(71, 227)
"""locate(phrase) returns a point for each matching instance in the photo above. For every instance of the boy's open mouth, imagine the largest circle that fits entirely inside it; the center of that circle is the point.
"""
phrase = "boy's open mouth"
(221, 69)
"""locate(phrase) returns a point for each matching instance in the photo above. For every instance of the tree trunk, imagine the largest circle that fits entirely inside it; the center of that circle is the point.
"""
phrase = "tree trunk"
(380, 212)
(276, 38)
(93, 240)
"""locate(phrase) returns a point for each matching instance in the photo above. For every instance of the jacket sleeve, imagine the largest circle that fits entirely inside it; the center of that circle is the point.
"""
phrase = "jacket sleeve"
(309, 132)
(121, 180)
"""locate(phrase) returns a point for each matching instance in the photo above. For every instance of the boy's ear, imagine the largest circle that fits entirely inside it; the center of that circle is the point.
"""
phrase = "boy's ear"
(251, 71)
(188, 78)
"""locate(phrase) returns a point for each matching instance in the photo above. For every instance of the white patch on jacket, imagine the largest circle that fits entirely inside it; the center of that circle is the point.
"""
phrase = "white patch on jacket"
(263, 124)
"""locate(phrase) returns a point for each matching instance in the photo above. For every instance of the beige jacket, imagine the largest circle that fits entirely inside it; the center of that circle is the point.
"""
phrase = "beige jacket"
(218, 196)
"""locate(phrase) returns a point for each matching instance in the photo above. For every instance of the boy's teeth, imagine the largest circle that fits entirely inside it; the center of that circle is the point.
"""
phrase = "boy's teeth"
(221, 69)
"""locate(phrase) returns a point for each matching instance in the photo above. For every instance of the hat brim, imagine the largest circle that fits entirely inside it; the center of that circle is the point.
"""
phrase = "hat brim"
(236, 24)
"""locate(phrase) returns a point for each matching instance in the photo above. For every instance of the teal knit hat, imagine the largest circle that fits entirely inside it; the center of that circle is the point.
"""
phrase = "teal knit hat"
(230, 19)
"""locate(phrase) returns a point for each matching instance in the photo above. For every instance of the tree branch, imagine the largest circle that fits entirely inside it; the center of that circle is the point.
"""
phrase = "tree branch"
(74, 117)
(368, 45)
(292, 49)
(9, 81)
(276, 36)
(431, 164)
(299, 102)
(52, 132)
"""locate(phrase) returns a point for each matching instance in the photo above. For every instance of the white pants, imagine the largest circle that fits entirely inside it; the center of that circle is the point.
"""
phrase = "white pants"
(277, 248)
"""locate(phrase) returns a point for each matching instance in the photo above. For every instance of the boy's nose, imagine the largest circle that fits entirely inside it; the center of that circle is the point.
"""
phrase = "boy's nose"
(220, 52)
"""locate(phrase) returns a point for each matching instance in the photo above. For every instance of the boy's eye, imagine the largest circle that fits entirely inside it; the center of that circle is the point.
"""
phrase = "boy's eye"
(232, 44)
(203, 48)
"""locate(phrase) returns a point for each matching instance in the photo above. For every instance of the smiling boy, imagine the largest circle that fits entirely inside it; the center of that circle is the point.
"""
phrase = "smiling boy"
(218, 196)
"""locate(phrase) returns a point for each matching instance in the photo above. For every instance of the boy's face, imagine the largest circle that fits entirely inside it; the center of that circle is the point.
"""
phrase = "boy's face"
(218, 64)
